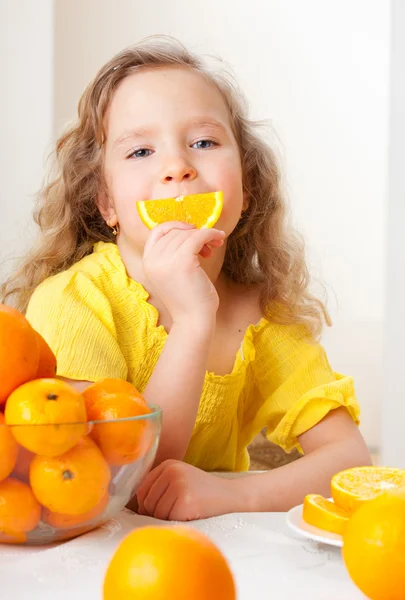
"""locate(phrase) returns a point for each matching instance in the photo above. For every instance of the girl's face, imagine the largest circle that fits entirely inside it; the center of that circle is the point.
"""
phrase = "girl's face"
(168, 134)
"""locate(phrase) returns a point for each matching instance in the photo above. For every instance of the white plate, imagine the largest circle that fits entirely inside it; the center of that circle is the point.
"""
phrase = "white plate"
(297, 524)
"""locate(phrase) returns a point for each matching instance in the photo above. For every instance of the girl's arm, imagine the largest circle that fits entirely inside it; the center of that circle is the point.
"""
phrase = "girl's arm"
(176, 383)
(171, 264)
(331, 446)
(178, 491)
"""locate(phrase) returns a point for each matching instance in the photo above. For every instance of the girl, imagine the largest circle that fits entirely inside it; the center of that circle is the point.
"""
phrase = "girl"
(216, 326)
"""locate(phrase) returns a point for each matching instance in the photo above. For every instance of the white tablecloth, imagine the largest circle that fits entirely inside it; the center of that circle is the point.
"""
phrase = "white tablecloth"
(268, 562)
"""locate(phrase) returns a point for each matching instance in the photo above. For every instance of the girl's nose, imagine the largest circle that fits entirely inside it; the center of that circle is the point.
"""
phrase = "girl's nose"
(178, 170)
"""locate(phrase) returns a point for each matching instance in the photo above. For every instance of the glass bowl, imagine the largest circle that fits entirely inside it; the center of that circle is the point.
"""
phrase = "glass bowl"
(47, 499)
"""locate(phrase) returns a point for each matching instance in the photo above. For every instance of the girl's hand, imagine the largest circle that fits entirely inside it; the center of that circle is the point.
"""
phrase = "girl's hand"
(172, 266)
(177, 491)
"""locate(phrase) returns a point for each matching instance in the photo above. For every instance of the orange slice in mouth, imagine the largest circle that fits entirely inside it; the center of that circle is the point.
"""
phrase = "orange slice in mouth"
(200, 210)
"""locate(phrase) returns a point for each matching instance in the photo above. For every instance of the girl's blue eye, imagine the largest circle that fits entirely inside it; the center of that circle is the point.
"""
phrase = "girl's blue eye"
(204, 144)
(141, 153)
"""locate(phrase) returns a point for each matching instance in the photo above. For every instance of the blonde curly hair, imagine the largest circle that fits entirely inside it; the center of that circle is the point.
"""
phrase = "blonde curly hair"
(263, 249)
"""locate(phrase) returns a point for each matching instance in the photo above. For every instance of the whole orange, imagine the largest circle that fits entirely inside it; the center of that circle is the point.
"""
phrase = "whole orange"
(47, 359)
(8, 450)
(19, 351)
(19, 510)
(49, 416)
(374, 547)
(63, 521)
(73, 483)
(157, 563)
(120, 442)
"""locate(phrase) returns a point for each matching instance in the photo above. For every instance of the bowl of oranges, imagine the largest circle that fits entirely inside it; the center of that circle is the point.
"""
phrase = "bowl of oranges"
(69, 461)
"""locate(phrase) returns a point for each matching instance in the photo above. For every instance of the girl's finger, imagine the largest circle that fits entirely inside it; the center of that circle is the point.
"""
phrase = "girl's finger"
(194, 243)
(162, 230)
(173, 241)
(156, 492)
(147, 483)
(166, 503)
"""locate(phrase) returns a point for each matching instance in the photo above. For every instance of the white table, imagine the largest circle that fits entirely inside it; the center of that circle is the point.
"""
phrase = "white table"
(269, 562)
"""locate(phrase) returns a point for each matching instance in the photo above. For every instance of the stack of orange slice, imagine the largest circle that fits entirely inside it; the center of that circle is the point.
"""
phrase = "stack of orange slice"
(350, 489)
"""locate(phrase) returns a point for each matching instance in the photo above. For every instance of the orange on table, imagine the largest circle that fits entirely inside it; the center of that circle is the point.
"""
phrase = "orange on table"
(157, 563)
(20, 512)
(73, 483)
(19, 351)
(49, 416)
(8, 450)
(374, 547)
(353, 487)
(47, 359)
(200, 210)
(64, 521)
(320, 512)
(120, 442)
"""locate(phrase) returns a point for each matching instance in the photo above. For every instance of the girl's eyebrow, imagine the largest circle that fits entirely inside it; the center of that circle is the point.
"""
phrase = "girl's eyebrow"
(207, 123)
(146, 131)
(132, 135)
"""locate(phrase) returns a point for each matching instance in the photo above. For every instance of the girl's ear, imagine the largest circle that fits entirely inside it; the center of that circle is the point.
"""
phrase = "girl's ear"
(107, 209)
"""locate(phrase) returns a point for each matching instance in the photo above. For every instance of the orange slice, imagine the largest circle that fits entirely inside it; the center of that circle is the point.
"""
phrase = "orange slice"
(322, 513)
(354, 487)
(201, 210)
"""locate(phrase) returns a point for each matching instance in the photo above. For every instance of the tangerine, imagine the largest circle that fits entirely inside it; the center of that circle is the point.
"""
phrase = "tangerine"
(20, 512)
(8, 450)
(94, 392)
(120, 442)
(64, 521)
(22, 466)
(19, 351)
(47, 416)
(47, 360)
(12, 538)
(73, 483)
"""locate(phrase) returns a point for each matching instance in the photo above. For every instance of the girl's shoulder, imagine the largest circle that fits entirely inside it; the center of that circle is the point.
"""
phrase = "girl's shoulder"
(102, 265)
(94, 280)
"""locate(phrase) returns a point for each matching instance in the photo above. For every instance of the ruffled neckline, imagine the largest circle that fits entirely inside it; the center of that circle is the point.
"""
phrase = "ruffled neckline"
(246, 352)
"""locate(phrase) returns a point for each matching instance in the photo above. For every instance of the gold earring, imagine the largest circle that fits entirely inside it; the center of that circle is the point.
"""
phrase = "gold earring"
(114, 228)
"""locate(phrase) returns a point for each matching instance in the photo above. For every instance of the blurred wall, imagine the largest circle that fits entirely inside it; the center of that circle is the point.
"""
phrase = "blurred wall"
(26, 116)
(393, 416)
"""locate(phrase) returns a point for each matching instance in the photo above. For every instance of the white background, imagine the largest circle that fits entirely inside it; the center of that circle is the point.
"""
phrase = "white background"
(318, 70)
(393, 415)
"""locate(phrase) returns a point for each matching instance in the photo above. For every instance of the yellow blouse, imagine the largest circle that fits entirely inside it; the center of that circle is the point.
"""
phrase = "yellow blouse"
(99, 324)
